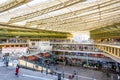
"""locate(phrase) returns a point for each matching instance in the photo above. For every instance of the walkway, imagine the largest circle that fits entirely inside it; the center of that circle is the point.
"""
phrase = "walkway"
(8, 73)
(86, 74)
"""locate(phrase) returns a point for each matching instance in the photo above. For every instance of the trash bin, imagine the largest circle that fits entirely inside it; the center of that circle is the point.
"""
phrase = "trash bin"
(59, 76)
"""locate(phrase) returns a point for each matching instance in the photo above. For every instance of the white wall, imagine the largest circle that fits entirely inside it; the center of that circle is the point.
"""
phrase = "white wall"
(41, 45)
(14, 50)
(45, 46)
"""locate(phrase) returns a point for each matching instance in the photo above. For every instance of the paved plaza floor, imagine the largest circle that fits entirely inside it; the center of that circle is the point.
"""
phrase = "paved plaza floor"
(86, 74)
(8, 73)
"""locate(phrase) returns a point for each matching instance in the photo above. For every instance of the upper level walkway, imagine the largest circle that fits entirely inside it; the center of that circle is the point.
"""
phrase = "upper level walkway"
(112, 51)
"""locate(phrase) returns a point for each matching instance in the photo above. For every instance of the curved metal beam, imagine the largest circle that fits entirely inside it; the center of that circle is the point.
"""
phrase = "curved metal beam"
(81, 27)
(63, 16)
(11, 4)
(81, 19)
(44, 11)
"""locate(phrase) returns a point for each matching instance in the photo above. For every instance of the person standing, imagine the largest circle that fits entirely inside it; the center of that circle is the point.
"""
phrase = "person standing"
(74, 72)
(6, 63)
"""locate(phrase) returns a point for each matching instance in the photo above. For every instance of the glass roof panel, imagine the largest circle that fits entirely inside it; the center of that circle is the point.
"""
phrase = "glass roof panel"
(3, 1)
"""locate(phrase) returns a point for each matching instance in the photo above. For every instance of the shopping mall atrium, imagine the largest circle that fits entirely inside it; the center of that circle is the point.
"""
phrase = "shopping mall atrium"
(59, 39)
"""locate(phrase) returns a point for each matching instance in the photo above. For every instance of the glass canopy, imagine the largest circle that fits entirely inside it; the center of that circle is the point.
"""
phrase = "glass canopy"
(60, 15)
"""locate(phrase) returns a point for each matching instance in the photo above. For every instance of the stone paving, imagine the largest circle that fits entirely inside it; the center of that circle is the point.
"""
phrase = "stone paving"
(8, 73)
(87, 74)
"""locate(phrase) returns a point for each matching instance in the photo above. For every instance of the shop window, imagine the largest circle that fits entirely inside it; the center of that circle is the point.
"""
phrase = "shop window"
(119, 52)
(116, 51)
(7, 45)
(21, 46)
(107, 48)
(113, 50)
(16, 45)
(12, 45)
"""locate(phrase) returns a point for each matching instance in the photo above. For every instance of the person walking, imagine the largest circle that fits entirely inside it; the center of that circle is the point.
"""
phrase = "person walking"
(17, 71)
(18, 66)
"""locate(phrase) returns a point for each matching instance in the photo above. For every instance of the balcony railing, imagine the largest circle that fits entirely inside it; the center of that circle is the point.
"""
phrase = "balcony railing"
(111, 49)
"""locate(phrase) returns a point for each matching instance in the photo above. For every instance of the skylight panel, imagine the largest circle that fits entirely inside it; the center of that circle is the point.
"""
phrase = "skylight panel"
(3, 1)
(36, 2)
